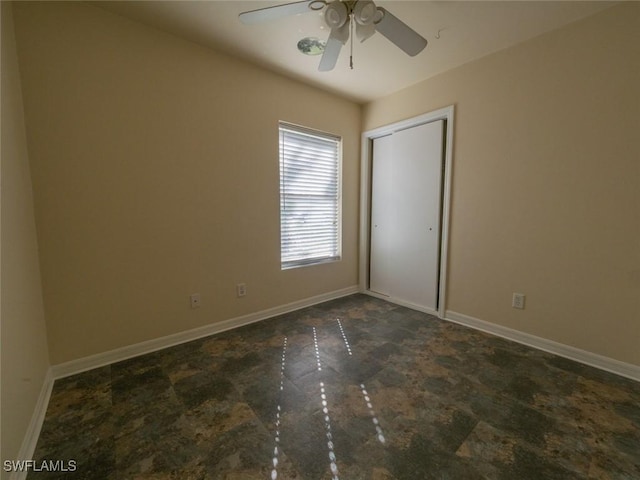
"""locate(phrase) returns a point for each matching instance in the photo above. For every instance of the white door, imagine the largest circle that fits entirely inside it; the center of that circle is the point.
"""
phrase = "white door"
(405, 214)
(382, 212)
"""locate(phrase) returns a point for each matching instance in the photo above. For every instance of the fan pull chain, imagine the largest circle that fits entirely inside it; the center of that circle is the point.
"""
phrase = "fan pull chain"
(351, 40)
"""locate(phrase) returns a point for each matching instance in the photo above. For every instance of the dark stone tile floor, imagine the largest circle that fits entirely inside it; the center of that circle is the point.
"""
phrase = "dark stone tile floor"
(385, 393)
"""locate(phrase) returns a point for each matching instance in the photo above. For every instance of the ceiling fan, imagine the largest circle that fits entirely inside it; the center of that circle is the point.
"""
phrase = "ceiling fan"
(341, 16)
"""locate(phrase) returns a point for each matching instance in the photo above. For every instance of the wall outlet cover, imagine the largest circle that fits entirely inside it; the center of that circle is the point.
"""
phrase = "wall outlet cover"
(518, 300)
(195, 300)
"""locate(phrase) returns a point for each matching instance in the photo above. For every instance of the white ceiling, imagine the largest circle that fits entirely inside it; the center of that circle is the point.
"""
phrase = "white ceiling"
(458, 32)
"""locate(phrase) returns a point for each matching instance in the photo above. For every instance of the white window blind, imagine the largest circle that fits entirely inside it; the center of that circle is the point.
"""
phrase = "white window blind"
(309, 196)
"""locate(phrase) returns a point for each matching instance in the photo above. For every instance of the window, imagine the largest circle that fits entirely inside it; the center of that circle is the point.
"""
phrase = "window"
(309, 196)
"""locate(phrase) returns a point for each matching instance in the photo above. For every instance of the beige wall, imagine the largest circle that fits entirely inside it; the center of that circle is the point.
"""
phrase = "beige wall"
(25, 357)
(155, 171)
(546, 182)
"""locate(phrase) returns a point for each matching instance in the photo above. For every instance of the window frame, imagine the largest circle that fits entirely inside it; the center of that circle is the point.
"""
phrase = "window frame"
(323, 136)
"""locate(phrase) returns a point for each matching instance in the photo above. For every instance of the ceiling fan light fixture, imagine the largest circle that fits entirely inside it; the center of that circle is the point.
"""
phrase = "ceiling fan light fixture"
(311, 46)
(317, 5)
(379, 15)
(336, 14)
(365, 12)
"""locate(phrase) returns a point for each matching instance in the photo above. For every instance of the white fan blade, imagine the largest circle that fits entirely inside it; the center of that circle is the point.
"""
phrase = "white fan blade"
(273, 13)
(337, 38)
(399, 33)
(330, 55)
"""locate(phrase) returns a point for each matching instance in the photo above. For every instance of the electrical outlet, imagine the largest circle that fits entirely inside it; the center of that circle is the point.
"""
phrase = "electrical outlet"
(195, 300)
(241, 289)
(518, 301)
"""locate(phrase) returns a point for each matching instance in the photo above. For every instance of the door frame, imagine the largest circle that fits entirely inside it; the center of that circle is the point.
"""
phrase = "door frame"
(366, 153)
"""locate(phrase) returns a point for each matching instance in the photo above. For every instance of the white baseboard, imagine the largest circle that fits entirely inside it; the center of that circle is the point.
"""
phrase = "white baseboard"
(592, 359)
(101, 359)
(30, 440)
